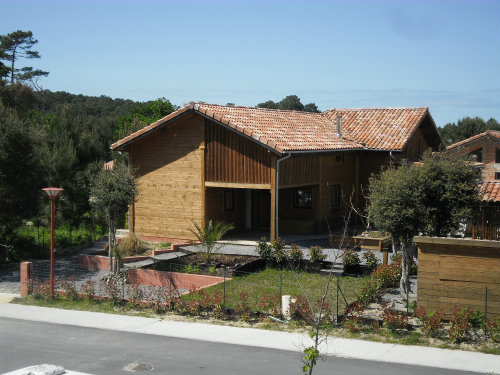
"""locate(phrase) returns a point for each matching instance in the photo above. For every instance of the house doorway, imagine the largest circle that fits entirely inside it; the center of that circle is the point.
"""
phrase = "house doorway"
(249, 210)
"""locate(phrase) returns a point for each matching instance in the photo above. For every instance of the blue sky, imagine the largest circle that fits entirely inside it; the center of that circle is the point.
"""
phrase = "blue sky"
(440, 54)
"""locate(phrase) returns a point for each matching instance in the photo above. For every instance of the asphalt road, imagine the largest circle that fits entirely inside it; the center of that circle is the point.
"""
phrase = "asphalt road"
(101, 352)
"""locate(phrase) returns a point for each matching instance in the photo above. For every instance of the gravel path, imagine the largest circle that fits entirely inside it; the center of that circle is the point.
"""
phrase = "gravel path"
(332, 254)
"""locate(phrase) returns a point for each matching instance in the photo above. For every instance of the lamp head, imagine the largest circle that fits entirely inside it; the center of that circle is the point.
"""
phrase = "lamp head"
(52, 192)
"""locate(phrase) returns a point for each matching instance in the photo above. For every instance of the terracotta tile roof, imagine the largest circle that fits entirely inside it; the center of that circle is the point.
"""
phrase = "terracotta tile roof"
(379, 128)
(491, 133)
(385, 129)
(108, 166)
(490, 191)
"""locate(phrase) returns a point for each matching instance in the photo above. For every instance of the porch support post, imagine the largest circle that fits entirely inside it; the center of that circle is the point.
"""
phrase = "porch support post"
(356, 193)
(203, 189)
(131, 217)
(273, 192)
(275, 187)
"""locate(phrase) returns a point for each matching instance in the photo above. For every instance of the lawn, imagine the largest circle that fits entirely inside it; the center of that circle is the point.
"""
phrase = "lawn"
(292, 283)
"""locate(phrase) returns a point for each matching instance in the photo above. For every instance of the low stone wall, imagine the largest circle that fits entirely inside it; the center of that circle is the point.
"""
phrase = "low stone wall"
(94, 262)
(174, 280)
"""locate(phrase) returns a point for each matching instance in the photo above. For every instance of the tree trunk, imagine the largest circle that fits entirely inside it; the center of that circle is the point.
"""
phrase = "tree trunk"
(111, 246)
(404, 284)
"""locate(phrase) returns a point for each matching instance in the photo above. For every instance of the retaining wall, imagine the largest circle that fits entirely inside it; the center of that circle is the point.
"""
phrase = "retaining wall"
(172, 279)
(458, 272)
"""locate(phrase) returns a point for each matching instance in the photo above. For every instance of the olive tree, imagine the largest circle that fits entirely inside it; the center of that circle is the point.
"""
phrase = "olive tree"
(111, 192)
(431, 198)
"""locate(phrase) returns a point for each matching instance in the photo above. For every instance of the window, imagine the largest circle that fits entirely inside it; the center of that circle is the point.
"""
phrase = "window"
(497, 156)
(303, 198)
(336, 194)
(228, 200)
(497, 175)
(477, 155)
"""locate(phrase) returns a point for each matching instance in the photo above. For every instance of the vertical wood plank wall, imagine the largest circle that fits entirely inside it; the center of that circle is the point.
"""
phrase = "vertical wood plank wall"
(168, 166)
(456, 272)
(299, 170)
(232, 158)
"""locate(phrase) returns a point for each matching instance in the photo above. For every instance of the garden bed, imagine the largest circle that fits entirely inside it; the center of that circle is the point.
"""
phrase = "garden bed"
(218, 265)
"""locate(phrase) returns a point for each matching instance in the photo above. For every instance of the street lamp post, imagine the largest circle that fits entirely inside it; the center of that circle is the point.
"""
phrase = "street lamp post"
(52, 193)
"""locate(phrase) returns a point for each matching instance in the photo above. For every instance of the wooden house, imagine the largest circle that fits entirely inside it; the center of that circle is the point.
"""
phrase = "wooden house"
(485, 149)
(264, 169)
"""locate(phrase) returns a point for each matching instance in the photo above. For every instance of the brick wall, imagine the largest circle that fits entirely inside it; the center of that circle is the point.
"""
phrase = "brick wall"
(172, 279)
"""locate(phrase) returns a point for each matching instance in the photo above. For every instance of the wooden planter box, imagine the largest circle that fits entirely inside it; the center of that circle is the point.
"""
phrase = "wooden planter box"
(374, 243)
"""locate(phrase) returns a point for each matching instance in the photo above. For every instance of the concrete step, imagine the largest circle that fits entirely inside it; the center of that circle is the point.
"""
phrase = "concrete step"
(338, 270)
(121, 233)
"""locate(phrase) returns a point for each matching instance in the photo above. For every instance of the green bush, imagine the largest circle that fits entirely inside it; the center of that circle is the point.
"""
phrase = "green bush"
(265, 250)
(294, 255)
(370, 259)
(350, 258)
(278, 250)
(316, 254)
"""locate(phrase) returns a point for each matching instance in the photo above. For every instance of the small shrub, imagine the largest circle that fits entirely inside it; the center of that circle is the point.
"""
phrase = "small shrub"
(193, 307)
(352, 317)
(265, 250)
(368, 292)
(431, 321)
(350, 258)
(477, 319)
(387, 276)
(132, 245)
(316, 254)
(243, 308)
(218, 306)
(69, 288)
(192, 268)
(460, 323)
(40, 290)
(493, 327)
(270, 304)
(278, 250)
(88, 289)
(111, 288)
(164, 245)
(157, 299)
(205, 300)
(135, 295)
(212, 270)
(301, 311)
(294, 255)
(393, 320)
(370, 259)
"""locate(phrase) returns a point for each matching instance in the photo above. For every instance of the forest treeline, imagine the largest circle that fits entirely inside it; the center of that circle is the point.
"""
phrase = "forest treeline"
(60, 139)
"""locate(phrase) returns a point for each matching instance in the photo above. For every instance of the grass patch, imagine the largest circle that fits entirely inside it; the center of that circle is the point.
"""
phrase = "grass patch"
(268, 282)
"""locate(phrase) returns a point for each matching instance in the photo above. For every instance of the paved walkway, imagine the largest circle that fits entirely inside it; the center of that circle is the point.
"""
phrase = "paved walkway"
(348, 348)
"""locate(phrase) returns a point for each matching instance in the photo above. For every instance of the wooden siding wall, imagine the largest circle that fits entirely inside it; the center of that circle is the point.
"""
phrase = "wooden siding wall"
(299, 170)
(457, 274)
(335, 172)
(168, 167)
(416, 145)
(232, 158)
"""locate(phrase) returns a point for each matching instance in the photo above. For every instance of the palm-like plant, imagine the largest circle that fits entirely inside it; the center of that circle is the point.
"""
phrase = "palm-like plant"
(209, 235)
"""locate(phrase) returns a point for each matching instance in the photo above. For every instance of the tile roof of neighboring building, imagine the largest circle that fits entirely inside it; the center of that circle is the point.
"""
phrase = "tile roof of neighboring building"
(490, 191)
(108, 166)
(381, 129)
(491, 133)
